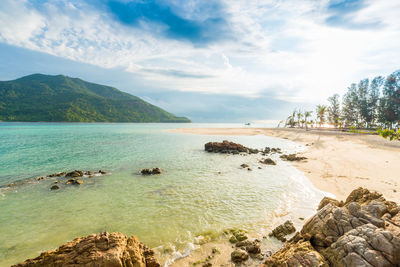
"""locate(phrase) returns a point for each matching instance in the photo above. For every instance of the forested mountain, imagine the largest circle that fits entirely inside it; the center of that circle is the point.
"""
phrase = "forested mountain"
(41, 97)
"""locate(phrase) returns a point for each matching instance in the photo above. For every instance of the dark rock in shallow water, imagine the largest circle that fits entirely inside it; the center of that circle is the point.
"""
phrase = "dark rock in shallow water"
(58, 174)
(54, 187)
(362, 231)
(103, 249)
(75, 173)
(292, 157)
(227, 147)
(151, 171)
(74, 181)
(283, 230)
(244, 165)
(268, 161)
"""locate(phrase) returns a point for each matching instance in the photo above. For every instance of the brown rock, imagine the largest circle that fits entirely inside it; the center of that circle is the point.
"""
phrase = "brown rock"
(104, 249)
(268, 161)
(227, 147)
(75, 173)
(239, 255)
(294, 255)
(292, 157)
(283, 230)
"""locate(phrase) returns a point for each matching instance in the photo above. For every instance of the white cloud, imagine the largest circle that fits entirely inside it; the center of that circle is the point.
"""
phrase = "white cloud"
(281, 48)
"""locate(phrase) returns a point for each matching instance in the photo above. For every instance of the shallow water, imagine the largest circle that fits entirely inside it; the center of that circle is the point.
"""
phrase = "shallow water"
(198, 192)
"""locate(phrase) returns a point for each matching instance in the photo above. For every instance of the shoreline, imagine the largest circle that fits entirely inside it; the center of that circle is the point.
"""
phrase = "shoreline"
(337, 162)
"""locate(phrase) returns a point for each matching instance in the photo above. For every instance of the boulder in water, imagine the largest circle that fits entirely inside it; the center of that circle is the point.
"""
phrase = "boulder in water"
(151, 171)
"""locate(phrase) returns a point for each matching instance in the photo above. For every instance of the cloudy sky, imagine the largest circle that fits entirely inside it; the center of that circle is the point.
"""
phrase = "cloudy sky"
(211, 60)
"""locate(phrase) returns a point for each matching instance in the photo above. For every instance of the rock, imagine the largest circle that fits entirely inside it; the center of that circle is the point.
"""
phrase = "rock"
(283, 230)
(54, 187)
(207, 264)
(237, 235)
(58, 174)
(294, 255)
(292, 157)
(102, 172)
(249, 169)
(362, 231)
(244, 165)
(151, 171)
(74, 182)
(75, 173)
(103, 249)
(268, 161)
(228, 148)
(40, 178)
(365, 245)
(326, 200)
(239, 255)
(252, 247)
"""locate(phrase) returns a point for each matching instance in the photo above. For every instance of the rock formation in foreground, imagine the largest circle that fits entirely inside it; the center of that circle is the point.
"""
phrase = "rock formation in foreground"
(104, 249)
(362, 231)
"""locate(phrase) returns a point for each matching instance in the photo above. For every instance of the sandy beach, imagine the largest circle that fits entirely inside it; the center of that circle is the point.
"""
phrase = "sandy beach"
(337, 162)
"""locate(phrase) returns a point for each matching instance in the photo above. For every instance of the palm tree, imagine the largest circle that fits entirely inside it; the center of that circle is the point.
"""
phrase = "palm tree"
(299, 116)
(291, 120)
(321, 110)
(307, 114)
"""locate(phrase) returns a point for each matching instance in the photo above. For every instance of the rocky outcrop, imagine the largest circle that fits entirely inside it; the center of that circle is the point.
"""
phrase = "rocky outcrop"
(292, 157)
(151, 171)
(283, 230)
(104, 249)
(227, 147)
(362, 231)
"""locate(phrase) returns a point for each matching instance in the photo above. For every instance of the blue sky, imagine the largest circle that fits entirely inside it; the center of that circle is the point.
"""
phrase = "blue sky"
(214, 60)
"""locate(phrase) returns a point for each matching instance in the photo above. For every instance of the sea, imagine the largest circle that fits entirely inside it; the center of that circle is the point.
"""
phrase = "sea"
(198, 194)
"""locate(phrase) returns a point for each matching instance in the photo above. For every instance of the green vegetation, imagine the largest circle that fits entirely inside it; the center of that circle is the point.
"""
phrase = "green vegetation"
(368, 105)
(59, 98)
(392, 134)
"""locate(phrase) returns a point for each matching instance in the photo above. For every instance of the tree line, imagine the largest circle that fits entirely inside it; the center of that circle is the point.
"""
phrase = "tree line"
(369, 104)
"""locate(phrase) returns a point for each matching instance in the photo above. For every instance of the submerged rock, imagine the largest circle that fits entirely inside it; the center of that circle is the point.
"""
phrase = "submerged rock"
(103, 249)
(151, 171)
(292, 157)
(54, 187)
(283, 230)
(268, 161)
(244, 165)
(362, 231)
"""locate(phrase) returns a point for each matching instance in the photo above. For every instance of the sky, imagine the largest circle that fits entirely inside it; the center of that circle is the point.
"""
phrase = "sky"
(210, 60)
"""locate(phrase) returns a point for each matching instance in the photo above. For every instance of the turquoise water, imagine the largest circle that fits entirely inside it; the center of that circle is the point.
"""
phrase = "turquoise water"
(198, 191)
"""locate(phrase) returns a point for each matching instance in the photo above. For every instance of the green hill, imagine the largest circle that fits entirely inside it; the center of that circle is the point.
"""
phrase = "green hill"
(41, 97)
